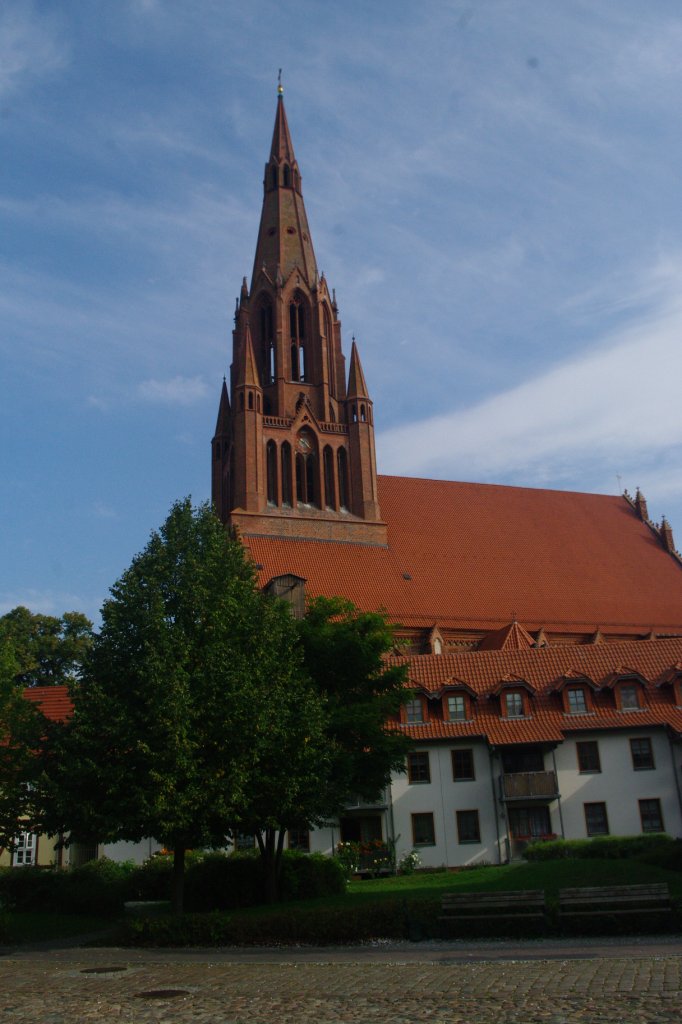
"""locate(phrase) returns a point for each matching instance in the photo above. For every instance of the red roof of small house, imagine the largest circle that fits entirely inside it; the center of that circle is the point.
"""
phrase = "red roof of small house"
(474, 556)
(53, 701)
(539, 671)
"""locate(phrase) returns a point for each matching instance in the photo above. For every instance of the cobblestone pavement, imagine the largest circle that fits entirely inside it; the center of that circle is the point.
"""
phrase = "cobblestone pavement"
(70, 986)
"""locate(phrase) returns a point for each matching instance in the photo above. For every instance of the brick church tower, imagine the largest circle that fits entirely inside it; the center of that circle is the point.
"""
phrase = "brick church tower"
(293, 453)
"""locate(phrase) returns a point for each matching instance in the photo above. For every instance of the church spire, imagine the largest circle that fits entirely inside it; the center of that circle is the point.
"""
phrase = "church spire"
(299, 459)
(357, 388)
(284, 243)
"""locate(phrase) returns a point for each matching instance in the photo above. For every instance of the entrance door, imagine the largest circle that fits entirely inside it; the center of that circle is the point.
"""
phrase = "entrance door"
(529, 822)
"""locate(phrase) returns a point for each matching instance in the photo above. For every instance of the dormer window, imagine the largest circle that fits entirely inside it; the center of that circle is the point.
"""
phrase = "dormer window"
(457, 707)
(628, 697)
(513, 704)
(414, 711)
(576, 700)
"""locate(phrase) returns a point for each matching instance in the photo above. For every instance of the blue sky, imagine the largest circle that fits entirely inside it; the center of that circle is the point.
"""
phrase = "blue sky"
(492, 188)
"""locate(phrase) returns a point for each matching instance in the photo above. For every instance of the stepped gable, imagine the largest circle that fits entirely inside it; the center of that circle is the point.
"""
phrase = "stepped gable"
(542, 669)
(53, 701)
(464, 555)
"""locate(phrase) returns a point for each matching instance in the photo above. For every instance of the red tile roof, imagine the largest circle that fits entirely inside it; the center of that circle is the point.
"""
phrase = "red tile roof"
(53, 701)
(543, 669)
(472, 556)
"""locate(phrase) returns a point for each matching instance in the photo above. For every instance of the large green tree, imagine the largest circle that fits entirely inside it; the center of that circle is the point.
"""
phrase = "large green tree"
(356, 694)
(344, 653)
(48, 650)
(21, 730)
(193, 666)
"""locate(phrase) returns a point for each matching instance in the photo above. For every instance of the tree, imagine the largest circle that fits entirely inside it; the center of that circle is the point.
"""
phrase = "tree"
(20, 734)
(353, 695)
(344, 653)
(49, 651)
(190, 669)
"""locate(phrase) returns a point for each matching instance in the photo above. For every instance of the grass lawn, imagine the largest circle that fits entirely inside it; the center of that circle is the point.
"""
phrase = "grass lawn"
(34, 926)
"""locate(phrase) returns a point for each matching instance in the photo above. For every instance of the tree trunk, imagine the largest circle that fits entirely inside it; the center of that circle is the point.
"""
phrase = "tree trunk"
(178, 890)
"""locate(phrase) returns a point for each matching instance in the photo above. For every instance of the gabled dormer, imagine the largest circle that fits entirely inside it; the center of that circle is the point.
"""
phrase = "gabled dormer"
(576, 692)
(515, 697)
(628, 688)
(672, 682)
(457, 701)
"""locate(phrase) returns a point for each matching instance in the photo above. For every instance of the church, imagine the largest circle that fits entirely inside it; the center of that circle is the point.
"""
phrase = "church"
(542, 629)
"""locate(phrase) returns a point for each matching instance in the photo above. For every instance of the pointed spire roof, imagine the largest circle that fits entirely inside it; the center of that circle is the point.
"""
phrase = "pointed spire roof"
(284, 244)
(357, 388)
(247, 372)
(282, 148)
(223, 423)
(510, 638)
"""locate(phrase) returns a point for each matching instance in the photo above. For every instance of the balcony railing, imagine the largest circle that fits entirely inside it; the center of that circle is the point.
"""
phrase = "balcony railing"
(529, 786)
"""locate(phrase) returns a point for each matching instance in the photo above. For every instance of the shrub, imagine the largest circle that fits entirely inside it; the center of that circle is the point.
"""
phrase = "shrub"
(664, 855)
(98, 887)
(322, 926)
(602, 848)
(229, 881)
(151, 880)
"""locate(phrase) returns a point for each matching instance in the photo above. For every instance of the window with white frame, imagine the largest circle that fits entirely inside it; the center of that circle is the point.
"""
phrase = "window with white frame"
(24, 851)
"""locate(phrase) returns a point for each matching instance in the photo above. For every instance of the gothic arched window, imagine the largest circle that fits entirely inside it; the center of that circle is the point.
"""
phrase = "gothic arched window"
(287, 176)
(267, 341)
(297, 331)
(286, 473)
(306, 469)
(342, 467)
(271, 471)
(331, 370)
(329, 490)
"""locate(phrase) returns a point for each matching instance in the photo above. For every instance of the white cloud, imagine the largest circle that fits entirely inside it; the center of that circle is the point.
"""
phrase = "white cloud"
(29, 47)
(614, 410)
(175, 391)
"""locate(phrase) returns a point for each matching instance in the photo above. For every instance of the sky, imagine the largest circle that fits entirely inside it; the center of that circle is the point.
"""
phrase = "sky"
(492, 188)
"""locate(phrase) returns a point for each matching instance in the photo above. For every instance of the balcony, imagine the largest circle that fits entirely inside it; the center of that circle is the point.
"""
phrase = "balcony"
(529, 786)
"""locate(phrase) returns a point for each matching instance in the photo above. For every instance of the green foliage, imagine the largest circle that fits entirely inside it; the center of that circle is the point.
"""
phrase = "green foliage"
(49, 651)
(320, 926)
(36, 926)
(664, 855)
(193, 693)
(99, 887)
(21, 728)
(602, 847)
(344, 651)
(220, 882)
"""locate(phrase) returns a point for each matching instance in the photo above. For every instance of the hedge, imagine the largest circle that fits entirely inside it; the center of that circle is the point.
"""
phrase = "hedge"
(602, 848)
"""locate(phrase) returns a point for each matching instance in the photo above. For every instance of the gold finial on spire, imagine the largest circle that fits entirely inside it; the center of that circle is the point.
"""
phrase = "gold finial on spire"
(280, 87)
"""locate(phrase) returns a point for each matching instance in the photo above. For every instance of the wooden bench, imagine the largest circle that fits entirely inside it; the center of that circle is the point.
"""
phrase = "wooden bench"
(523, 905)
(605, 900)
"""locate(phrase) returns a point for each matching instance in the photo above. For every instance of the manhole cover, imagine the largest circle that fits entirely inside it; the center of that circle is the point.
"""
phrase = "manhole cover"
(162, 993)
(103, 970)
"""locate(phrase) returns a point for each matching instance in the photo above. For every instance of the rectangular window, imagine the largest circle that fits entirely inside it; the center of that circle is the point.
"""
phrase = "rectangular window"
(423, 832)
(514, 705)
(650, 813)
(414, 712)
(299, 839)
(457, 709)
(418, 768)
(468, 828)
(629, 697)
(24, 850)
(642, 754)
(596, 822)
(462, 765)
(588, 756)
(577, 701)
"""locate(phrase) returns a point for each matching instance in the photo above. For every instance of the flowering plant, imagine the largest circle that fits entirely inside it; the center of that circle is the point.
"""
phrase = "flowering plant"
(409, 862)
